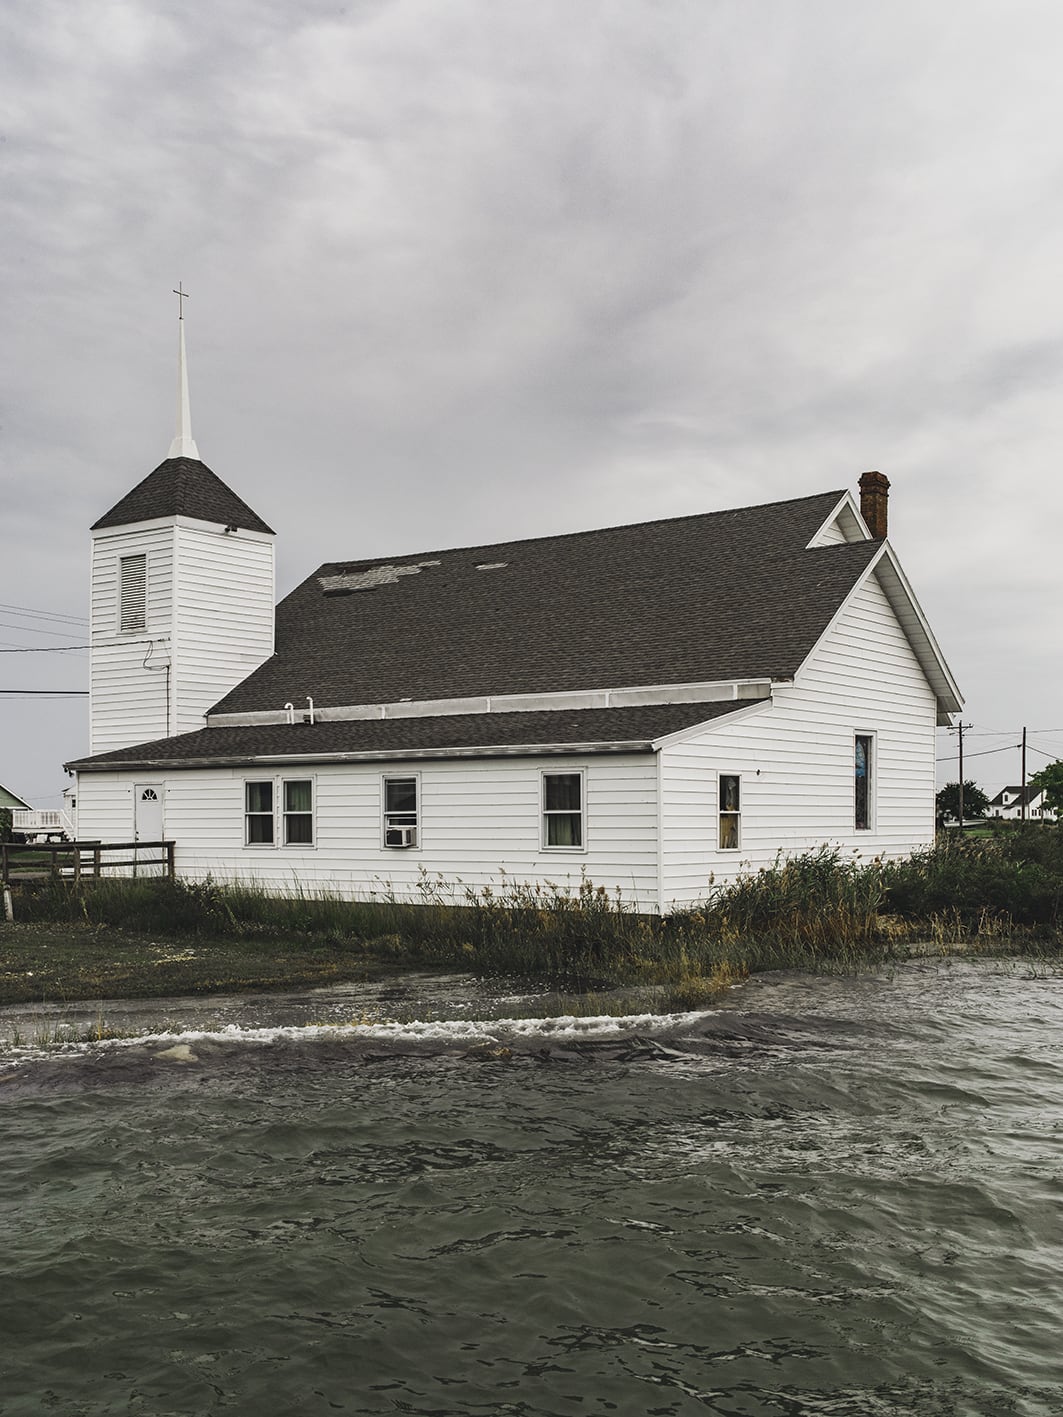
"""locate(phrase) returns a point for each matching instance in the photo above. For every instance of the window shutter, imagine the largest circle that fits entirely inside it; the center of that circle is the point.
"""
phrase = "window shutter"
(133, 597)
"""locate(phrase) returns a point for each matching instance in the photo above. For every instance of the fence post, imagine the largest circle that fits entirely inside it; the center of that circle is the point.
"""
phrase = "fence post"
(4, 868)
(169, 859)
(96, 861)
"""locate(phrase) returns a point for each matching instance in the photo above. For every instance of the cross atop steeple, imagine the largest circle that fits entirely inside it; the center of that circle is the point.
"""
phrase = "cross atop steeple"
(183, 445)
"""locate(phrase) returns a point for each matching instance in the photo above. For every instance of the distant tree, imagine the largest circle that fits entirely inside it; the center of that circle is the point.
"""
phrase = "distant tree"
(5, 823)
(975, 801)
(1050, 781)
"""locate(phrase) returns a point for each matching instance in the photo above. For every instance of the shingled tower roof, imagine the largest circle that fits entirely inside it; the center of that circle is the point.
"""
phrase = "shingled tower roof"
(183, 487)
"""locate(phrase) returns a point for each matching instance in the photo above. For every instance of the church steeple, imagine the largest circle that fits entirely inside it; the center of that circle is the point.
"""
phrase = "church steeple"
(182, 485)
(183, 445)
(182, 595)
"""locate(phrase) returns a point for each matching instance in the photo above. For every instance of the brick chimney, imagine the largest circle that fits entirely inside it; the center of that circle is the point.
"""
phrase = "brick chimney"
(874, 497)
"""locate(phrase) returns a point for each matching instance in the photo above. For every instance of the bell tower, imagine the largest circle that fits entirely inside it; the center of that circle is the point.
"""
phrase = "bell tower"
(182, 594)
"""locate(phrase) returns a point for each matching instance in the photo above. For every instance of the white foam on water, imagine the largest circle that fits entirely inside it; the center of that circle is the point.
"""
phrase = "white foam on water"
(566, 1028)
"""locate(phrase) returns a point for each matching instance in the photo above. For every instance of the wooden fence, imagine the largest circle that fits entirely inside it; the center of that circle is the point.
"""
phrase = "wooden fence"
(83, 860)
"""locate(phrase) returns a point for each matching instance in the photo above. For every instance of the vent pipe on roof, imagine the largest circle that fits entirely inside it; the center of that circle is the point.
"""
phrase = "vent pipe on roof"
(874, 499)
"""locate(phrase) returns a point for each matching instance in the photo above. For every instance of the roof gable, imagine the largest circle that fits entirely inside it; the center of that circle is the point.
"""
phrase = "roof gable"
(183, 487)
(844, 523)
(720, 596)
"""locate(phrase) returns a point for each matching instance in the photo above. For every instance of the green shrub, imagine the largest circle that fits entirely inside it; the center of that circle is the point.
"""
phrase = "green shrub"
(1017, 872)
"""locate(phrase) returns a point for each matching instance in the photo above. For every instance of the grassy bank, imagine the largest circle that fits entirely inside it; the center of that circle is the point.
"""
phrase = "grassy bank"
(41, 962)
(149, 938)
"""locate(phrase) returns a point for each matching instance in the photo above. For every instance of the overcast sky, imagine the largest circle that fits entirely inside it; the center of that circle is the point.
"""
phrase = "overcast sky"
(464, 270)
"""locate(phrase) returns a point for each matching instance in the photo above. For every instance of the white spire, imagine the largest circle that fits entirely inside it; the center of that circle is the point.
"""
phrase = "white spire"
(183, 445)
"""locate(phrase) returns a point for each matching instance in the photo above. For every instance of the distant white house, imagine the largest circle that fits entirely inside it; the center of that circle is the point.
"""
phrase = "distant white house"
(1007, 805)
(651, 707)
(31, 823)
(11, 799)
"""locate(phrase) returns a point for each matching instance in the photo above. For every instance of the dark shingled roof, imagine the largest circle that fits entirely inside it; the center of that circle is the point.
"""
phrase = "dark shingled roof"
(183, 487)
(720, 596)
(503, 733)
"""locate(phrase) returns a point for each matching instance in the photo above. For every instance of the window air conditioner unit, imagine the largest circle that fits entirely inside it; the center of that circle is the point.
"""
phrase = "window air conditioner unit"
(400, 836)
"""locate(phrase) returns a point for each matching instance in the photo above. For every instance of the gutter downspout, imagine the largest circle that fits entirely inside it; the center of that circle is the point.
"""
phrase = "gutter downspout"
(660, 832)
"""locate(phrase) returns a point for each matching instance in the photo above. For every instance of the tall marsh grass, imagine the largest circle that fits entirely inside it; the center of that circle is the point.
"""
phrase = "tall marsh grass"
(821, 907)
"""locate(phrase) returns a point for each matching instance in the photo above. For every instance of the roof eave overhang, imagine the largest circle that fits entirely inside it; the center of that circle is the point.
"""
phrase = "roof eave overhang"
(181, 520)
(374, 755)
(924, 643)
(898, 591)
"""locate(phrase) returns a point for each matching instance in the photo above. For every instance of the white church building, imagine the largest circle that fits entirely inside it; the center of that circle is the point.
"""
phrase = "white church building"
(652, 707)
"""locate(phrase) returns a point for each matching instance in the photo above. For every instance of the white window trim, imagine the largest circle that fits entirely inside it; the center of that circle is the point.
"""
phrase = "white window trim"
(720, 814)
(386, 777)
(544, 773)
(278, 814)
(282, 813)
(872, 791)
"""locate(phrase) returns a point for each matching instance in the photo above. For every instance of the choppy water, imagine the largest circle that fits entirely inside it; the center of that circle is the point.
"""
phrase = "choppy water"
(837, 1196)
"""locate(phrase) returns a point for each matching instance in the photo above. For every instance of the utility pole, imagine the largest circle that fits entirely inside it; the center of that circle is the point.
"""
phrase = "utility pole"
(959, 728)
(1023, 797)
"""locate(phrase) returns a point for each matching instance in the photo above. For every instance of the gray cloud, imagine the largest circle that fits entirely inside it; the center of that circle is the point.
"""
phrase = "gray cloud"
(460, 270)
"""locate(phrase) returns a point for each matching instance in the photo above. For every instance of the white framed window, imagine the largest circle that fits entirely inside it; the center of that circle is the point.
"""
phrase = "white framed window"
(730, 811)
(279, 811)
(563, 811)
(400, 797)
(132, 592)
(864, 782)
(298, 796)
(258, 813)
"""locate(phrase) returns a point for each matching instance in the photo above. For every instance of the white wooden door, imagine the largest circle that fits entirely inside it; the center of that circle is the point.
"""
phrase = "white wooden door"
(147, 826)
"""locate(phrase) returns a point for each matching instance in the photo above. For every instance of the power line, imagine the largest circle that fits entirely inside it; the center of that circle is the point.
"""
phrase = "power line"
(47, 693)
(32, 630)
(42, 614)
(1004, 732)
(42, 649)
(985, 753)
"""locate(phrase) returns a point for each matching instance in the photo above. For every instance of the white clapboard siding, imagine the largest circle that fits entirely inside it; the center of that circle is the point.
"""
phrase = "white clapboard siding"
(209, 623)
(128, 682)
(795, 758)
(479, 826)
(831, 535)
(223, 615)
